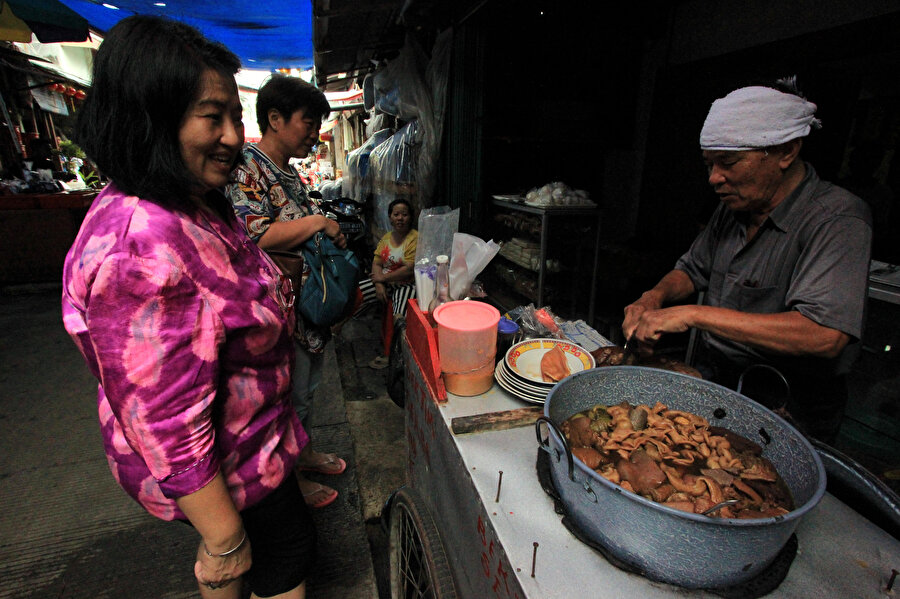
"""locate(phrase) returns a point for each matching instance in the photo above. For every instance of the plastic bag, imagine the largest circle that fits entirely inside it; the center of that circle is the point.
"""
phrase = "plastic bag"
(437, 226)
(470, 256)
(400, 89)
(357, 184)
(392, 165)
(413, 88)
(537, 322)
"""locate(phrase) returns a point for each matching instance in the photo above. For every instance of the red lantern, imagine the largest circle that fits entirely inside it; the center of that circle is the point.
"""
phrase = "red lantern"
(55, 87)
(70, 91)
(80, 95)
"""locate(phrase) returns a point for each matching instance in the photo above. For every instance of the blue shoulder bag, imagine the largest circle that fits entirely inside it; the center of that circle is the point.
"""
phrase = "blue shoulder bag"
(330, 289)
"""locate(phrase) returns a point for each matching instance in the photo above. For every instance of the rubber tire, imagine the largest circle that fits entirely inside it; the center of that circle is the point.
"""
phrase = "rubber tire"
(416, 551)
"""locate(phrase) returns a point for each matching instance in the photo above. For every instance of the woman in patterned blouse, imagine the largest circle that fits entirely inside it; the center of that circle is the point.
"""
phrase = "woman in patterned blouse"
(183, 320)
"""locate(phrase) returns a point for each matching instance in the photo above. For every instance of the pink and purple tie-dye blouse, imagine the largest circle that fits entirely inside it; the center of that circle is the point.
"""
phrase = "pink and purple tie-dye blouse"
(184, 322)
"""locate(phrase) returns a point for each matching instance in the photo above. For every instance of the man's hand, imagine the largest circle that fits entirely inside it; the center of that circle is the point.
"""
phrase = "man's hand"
(673, 287)
(652, 324)
(635, 311)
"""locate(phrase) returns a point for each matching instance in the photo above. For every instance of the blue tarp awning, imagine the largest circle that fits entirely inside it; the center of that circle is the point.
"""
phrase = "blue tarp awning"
(265, 35)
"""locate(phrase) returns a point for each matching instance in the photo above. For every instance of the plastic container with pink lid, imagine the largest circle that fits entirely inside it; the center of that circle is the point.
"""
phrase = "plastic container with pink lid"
(467, 344)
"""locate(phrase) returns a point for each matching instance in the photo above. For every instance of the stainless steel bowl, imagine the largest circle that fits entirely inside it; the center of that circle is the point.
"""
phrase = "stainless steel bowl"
(665, 544)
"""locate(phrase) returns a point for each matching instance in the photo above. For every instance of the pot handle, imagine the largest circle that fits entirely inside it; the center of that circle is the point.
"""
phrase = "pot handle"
(768, 402)
(545, 443)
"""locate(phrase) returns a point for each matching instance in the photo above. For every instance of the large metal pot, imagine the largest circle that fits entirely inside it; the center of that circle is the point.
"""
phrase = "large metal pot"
(665, 544)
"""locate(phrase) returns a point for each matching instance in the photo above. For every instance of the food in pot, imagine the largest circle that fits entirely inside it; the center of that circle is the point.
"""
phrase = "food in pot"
(554, 365)
(678, 459)
(614, 355)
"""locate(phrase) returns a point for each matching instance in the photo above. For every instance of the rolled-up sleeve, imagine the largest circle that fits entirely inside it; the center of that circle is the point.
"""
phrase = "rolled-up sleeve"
(831, 277)
(697, 261)
(156, 340)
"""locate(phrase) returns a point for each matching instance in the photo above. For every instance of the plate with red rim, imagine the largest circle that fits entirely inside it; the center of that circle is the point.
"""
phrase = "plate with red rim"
(515, 390)
(524, 358)
(520, 383)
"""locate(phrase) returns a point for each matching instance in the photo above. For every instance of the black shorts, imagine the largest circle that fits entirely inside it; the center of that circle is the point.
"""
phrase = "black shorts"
(282, 539)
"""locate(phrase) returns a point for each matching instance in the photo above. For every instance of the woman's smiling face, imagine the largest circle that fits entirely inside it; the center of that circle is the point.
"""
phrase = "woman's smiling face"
(211, 133)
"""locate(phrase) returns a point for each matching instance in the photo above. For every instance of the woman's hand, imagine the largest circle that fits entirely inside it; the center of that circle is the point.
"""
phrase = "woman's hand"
(381, 292)
(215, 571)
(340, 241)
(404, 274)
(377, 275)
(330, 227)
(214, 515)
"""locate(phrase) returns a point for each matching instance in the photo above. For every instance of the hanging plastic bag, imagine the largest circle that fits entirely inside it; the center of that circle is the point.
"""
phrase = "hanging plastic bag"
(437, 226)
(470, 256)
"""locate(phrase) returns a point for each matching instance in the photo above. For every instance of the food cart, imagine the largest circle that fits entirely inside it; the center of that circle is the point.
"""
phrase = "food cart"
(475, 521)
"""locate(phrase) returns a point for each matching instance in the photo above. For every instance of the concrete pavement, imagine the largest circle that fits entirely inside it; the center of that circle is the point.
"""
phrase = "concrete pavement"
(68, 531)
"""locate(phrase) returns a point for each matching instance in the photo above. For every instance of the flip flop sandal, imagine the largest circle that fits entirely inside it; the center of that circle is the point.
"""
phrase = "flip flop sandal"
(320, 489)
(333, 460)
(379, 362)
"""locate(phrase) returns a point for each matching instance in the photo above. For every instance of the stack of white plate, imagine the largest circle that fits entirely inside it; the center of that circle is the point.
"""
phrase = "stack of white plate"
(519, 372)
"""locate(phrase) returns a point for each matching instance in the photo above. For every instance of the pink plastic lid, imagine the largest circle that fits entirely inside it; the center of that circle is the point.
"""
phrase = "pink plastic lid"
(466, 315)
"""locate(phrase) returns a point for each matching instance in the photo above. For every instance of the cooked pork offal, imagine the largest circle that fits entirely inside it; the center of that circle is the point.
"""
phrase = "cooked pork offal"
(554, 366)
(677, 459)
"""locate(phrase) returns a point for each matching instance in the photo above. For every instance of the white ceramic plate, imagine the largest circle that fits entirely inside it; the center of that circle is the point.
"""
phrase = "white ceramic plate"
(524, 358)
(516, 392)
(521, 383)
(522, 390)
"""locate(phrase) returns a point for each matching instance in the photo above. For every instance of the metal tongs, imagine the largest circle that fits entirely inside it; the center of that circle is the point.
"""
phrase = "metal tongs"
(628, 351)
(719, 506)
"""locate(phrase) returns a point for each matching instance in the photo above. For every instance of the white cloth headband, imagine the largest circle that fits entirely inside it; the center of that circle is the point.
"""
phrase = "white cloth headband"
(756, 117)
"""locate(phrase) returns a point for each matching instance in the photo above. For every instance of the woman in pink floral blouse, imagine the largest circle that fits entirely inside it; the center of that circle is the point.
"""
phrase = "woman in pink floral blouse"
(182, 319)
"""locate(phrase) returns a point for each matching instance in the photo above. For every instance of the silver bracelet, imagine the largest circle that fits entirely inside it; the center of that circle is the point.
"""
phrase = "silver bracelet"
(230, 551)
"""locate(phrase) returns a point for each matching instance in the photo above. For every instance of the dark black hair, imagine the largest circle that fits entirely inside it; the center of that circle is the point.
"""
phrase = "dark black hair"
(147, 72)
(287, 95)
(403, 201)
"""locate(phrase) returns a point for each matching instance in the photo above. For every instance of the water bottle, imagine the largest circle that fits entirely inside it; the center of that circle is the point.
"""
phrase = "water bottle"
(441, 283)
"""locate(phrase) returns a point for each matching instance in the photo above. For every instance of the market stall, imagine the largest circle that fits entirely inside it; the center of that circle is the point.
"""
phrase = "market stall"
(477, 520)
(36, 231)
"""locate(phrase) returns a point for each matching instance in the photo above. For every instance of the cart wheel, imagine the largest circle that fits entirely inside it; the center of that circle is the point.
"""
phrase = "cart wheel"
(419, 566)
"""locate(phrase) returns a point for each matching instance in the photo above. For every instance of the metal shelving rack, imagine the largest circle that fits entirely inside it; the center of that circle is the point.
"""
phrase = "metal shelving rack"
(546, 214)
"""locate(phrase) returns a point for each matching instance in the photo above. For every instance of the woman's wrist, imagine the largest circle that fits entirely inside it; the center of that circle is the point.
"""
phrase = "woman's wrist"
(225, 553)
(224, 545)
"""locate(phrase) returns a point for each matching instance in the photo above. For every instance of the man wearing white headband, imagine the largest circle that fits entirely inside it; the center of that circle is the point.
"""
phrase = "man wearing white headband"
(783, 261)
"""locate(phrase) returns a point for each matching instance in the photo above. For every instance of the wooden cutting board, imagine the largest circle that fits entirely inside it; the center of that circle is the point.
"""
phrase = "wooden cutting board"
(495, 421)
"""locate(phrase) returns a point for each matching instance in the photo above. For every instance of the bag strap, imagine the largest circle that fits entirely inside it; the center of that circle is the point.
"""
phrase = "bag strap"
(324, 282)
